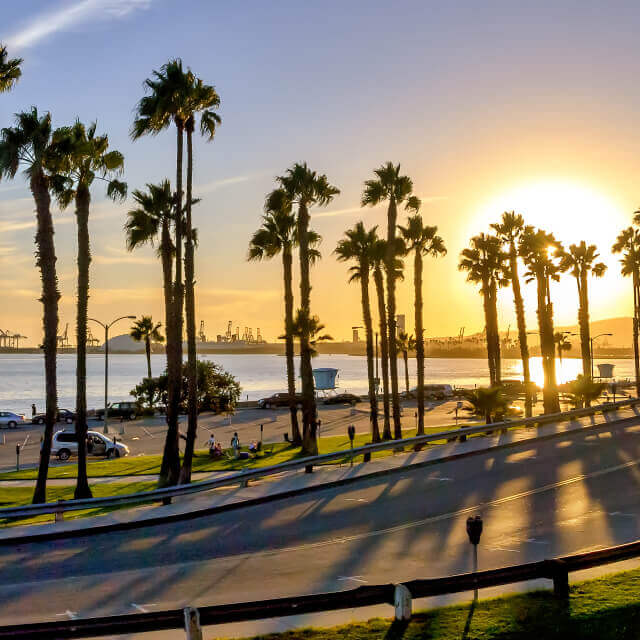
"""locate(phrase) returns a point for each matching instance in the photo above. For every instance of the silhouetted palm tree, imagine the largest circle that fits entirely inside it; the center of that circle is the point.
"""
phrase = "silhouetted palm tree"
(358, 246)
(147, 331)
(484, 264)
(422, 241)
(83, 157)
(306, 188)
(539, 251)
(390, 186)
(166, 103)
(10, 71)
(405, 343)
(509, 230)
(562, 343)
(628, 243)
(487, 402)
(580, 260)
(28, 145)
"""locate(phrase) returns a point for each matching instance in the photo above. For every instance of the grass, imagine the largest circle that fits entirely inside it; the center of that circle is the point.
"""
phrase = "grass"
(18, 496)
(276, 453)
(604, 609)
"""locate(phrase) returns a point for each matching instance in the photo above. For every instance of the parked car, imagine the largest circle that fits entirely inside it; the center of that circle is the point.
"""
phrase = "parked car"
(279, 400)
(64, 415)
(11, 420)
(128, 410)
(65, 444)
(342, 398)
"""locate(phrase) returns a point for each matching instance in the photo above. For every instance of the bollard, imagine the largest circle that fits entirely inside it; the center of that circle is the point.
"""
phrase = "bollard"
(474, 531)
(402, 602)
(245, 482)
(560, 579)
(351, 431)
(308, 468)
(366, 457)
(192, 623)
(18, 457)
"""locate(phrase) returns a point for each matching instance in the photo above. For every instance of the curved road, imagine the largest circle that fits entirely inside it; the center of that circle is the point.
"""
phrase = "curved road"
(538, 500)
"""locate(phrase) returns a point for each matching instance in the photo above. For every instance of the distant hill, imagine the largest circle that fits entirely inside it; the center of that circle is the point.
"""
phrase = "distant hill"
(621, 328)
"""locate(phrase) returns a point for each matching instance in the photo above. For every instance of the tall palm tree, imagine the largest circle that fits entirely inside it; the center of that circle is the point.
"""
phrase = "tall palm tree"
(422, 241)
(405, 343)
(628, 244)
(166, 103)
(357, 245)
(539, 251)
(147, 331)
(484, 264)
(306, 188)
(10, 71)
(278, 234)
(84, 157)
(378, 253)
(509, 230)
(390, 186)
(580, 260)
(562, 344)
(202, 99)
(28, 145)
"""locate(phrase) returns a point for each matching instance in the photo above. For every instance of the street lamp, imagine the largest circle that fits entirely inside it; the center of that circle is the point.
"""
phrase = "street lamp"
(106, 362)
(592, 339)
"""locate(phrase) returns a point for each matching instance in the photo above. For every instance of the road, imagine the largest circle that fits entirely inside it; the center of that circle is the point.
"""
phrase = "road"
(539, 500)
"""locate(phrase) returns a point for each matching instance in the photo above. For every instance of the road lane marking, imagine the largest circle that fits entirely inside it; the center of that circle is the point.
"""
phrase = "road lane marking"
(142, 607)
(619, 513)
(353, 578)
(72, 615)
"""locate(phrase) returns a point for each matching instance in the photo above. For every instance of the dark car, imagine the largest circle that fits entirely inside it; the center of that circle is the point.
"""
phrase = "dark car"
(279, 400)
(342, 398)
(64, 415)
(128, 410)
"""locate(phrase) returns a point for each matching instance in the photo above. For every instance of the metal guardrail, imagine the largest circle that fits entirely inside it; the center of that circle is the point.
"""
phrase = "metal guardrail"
(555, 569)
(244, 476)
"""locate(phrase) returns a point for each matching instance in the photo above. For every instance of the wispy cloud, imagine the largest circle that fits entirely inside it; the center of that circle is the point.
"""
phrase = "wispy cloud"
(364, 210)
(209, 187)
(69, 15)
(120, 256)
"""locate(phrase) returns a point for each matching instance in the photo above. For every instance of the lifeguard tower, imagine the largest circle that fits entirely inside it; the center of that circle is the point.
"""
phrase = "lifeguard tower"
(324, 379)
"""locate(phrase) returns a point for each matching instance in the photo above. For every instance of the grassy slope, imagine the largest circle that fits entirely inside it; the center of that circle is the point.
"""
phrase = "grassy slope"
(604, 609)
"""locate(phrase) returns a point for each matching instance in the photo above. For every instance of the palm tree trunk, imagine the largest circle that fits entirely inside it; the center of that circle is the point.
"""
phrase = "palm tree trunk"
(384, 352)
(170, 467)
(83, 199)
(636, 321)
(166, 253)
(287, 266)
(405, 357)
(390, 259)
(46, 261)
(495, 331)
(522, 329)
(192, 366)
(417, 284)
(147, 348)
(309, 424)
(583, 322)
(486, 304)
(547, 346)
(368, 326)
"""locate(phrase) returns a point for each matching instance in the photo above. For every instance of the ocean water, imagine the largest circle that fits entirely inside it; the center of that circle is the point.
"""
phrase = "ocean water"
(22, 375)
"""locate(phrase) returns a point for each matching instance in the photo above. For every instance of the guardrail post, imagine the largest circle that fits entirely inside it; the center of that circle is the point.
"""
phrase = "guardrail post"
(560, 579)
(308, 468)
(402, 602)
(244, 483)
(192, 623)
(59, 514)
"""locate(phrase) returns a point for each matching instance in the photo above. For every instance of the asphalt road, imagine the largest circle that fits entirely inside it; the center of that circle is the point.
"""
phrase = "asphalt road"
(539, 500)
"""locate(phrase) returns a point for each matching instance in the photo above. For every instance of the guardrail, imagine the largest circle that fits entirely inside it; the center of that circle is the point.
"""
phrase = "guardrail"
(400, 596)
(244, 476)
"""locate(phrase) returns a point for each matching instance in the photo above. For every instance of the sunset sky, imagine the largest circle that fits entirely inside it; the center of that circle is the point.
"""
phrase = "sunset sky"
(488, 106)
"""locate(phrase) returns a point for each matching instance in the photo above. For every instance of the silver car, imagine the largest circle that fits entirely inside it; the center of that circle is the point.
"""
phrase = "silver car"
(65, 444)
(11, 420)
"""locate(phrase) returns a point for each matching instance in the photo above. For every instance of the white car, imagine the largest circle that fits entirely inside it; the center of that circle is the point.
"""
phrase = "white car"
(65, 444)
(10, 419)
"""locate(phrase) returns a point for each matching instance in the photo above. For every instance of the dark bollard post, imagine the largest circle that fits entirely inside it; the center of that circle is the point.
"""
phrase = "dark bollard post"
(474, 531)
(352, 434)
(560, 579)
(308, 468)
(366, 457)
(18, 457)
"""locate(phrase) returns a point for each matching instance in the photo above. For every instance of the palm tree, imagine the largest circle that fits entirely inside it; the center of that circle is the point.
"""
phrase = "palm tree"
(628, 243)
(389, 185)
(562, 344)
(580, 260)
(357, 245)
(28, 145)
(278, 234)
(306, 188)
(10, 71)
(84, 157)
(167, 102)
(404, 344)
(484, 264)
(147, 331)
(423, 241)
(378, 253)
(509, 230)
(311, 327)
(487, 402)
(539, 251)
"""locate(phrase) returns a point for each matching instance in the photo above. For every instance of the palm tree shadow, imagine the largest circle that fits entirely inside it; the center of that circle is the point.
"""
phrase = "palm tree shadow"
(396, 630)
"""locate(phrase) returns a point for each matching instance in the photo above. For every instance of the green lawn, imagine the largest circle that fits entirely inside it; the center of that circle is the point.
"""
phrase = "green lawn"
(604, 609)
(143, 465)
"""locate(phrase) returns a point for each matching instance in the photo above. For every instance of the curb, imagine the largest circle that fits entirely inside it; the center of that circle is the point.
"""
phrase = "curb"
(251, 502)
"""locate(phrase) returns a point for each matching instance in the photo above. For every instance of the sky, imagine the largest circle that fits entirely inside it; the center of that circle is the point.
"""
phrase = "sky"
(488, 107)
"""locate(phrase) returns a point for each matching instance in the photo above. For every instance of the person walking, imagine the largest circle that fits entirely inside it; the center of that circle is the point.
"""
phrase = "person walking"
(235, 445)
(33, 410)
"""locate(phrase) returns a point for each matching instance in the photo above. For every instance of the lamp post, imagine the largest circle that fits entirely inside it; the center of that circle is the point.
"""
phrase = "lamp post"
(106, 362)
(592, 340)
